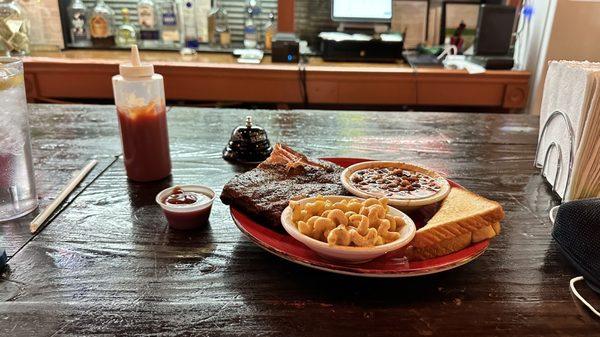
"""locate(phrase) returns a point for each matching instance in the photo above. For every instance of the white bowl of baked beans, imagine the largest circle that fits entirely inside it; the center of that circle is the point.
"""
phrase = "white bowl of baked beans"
(406, 186)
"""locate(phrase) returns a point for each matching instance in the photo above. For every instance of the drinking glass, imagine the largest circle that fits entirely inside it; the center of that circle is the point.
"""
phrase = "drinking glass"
(17, 184)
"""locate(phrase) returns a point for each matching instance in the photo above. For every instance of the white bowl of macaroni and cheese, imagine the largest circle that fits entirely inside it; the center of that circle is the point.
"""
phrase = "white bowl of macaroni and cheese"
(348, 229)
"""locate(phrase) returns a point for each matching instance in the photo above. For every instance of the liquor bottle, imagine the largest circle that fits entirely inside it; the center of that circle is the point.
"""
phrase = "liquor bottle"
(78, 24)
(189, 29)
(257, 15)
(218, 26)
(250, 28)
(270, 31)
(223, 29)
(202, 12)
(126, 35)
(170, 21)
(102, 25)
(212, 25)
(14, 28)
(147, 19)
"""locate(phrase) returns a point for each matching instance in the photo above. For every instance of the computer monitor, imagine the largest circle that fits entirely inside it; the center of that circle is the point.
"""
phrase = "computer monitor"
(361, 10)
(494, 30)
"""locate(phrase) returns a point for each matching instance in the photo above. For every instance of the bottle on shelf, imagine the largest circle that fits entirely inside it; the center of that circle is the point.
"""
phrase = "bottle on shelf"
(170, 21)
(140, 100)
(126, 34)
(270, 31)
(102, 25)
(189, 29)
(202, 11)
(218, 26)
(14, 29)
(147, 20)
(250, 26)
(78, 24)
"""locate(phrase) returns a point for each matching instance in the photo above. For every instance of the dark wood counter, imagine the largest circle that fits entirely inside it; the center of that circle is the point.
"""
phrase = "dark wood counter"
(214, 77)
(109, 265)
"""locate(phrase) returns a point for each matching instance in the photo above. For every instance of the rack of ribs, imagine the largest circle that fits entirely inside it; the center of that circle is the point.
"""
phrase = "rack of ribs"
(264, 192)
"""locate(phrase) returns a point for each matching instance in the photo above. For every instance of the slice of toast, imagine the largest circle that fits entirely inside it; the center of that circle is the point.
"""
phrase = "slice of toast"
(463, 218)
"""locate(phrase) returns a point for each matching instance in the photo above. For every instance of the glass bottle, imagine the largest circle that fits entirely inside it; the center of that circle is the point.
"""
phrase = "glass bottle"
(170, 22)
(222, 28)
(270, 31)
(202, 11)
(257, 15)
(78, 24)
(212, 25)
(189, 28)
(126, 35)
(14, 29)
(102, 24)
(147, 20)
(218, 24)
(140, 100)
(250, 28)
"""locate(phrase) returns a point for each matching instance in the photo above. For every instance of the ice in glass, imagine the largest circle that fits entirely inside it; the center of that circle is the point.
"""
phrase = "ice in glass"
(17, 184)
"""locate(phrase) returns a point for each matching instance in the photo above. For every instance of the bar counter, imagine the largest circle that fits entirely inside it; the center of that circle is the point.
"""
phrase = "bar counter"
(108, 264)
(217, 77)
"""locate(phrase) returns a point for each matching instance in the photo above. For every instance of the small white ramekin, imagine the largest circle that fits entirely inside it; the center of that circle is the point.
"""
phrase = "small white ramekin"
(189, 223)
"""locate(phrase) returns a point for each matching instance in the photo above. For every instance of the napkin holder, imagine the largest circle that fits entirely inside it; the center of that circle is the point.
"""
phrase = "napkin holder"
(556, 116)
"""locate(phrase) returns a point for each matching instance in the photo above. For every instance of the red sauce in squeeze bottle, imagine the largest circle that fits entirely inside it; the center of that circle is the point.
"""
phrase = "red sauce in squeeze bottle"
(140, 100)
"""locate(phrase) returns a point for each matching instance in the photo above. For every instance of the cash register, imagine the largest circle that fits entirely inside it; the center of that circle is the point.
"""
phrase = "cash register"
(361, 35)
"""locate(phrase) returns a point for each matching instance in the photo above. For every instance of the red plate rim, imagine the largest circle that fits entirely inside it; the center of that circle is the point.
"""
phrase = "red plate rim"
(286, 247)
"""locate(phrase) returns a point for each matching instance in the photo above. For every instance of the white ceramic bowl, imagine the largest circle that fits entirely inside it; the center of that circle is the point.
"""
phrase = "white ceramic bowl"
(405, 204)
(349, 254)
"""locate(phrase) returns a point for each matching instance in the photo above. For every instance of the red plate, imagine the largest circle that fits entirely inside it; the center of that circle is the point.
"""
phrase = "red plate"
(283, 245)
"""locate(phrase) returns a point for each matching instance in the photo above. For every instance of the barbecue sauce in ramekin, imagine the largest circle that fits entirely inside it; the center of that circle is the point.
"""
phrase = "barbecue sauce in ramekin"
(186, 207)
(182, 198)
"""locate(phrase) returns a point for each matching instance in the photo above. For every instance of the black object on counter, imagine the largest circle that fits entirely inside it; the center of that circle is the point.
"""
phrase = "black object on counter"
(374, 50)
(576, 231)
(248, 144)
(416, 59)
(286, 48)
(3, 259)
(493, 62)
(494, 30)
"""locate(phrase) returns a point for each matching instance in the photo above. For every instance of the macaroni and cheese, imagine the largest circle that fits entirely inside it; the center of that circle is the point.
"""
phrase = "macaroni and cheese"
(347, 222)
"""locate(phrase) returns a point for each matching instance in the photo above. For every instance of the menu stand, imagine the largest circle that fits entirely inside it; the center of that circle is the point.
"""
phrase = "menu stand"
(555, 145)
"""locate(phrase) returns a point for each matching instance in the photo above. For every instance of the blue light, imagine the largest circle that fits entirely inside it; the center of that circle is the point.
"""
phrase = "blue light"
(528, 12)
(290, 57)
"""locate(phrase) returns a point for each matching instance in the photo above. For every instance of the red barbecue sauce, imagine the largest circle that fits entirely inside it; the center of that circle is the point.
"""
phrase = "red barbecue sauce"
(190, 219)
(145, 142)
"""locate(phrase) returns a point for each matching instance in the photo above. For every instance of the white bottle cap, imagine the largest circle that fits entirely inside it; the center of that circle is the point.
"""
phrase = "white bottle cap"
(136, 68)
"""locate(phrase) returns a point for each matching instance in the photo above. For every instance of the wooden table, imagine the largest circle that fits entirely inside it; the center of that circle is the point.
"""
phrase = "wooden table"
(213, 77)
(108, 264)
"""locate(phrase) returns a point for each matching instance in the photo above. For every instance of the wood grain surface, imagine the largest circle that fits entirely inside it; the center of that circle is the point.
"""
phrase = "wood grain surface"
(109, 265)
